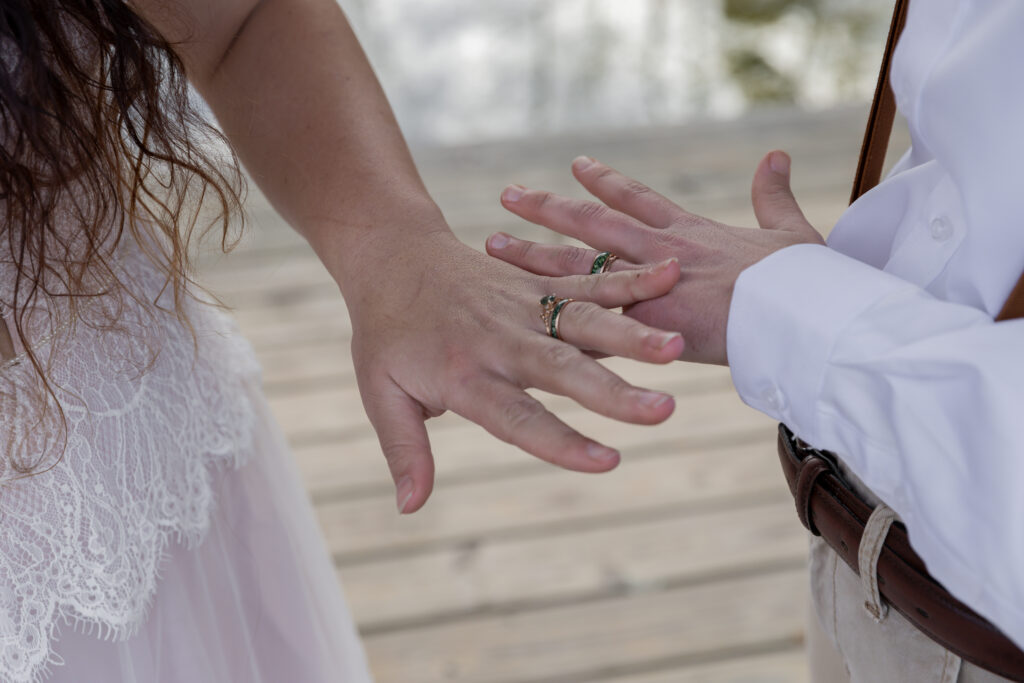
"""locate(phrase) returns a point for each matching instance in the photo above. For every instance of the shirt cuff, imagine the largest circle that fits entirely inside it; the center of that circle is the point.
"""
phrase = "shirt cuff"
(787, 313)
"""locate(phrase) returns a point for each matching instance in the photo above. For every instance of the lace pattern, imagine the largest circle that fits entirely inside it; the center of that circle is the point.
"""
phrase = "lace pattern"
(151, 414)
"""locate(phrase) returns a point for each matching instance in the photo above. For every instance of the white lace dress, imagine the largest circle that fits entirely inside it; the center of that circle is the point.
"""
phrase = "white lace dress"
(172, 541)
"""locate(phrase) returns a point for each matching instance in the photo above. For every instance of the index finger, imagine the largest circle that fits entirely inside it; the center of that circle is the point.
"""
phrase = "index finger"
(625, 194)
(589, 222)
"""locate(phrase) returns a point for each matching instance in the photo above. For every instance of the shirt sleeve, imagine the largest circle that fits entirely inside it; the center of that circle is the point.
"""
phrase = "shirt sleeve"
(923, 399)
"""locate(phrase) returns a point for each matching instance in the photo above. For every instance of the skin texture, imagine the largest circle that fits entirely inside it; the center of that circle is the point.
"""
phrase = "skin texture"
(436, 325)
(642, 226)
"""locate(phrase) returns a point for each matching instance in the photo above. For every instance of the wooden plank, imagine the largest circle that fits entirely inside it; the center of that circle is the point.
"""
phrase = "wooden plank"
(369, 527)
(325, 364)
(329, 409)
(513, 574)
(783, 667)
(342, 466)
(317, 319)
(587, 641)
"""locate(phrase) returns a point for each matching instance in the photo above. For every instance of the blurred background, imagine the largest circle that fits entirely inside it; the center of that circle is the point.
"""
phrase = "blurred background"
(459, 71)
(685, 564)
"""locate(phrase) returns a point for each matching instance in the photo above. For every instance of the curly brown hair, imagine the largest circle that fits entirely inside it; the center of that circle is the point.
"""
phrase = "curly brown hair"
(100, 137)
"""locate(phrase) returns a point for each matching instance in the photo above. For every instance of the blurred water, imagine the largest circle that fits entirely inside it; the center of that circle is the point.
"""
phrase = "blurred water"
(461, 71)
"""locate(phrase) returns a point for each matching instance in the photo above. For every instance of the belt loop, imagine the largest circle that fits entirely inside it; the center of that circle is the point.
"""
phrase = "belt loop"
(811, 468)
(871, 544)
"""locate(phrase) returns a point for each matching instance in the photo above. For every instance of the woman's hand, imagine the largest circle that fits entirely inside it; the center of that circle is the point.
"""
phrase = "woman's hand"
(437, 326)
(641, 226)
(445, 327)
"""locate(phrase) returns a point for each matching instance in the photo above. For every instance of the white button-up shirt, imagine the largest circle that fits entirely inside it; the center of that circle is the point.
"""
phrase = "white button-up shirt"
(882, 347)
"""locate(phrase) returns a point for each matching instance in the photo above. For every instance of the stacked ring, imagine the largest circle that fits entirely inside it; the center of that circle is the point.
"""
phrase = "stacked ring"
(552, 307)
(603, 262)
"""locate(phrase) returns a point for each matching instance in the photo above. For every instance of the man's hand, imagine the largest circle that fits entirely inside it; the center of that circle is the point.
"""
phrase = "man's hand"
(642, 226)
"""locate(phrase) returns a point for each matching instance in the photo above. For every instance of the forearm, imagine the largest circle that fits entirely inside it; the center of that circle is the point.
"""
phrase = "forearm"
(297, 98)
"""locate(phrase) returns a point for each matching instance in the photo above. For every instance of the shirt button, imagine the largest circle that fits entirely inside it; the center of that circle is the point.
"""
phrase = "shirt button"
(941, 229)
(773, 399)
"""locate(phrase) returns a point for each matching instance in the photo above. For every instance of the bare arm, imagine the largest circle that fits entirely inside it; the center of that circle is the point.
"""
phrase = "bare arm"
(436, 325)
(293, 91)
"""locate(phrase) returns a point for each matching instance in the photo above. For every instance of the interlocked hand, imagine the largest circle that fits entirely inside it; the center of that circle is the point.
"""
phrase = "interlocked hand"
(641, 226)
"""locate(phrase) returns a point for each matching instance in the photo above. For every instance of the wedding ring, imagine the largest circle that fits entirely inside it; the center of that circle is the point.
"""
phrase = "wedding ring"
(603, 262)
(551, 307)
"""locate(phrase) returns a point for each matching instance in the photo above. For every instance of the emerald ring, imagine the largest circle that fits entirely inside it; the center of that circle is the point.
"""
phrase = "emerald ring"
(551, 307)
(603, 262)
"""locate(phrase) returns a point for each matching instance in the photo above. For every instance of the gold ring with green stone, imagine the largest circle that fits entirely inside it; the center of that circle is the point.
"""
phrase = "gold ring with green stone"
(551, 306)
(553, 329)
(547, 305)
(603, 262)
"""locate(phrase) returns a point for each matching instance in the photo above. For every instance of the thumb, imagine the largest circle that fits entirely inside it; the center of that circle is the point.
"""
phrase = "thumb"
(399, 423)
(774, 204)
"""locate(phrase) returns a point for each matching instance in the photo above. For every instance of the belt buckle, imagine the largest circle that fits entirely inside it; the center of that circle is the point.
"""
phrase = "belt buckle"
(806, 450)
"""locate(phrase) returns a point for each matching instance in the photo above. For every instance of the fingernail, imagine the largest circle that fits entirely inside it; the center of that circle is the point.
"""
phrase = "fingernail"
(653, 399)
(513, 193)
(660, 340)
(404, 493)
(664, 265)
(499, 241)
(582, 163)
(601, 453)
(779, 162)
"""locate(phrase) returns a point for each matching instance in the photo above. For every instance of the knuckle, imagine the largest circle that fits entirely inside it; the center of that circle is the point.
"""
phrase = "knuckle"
(525, 250)
(586, 313)
(586, 212)
(558, 355)
(685, 220)
(665, 242)
(638, 333)
(570, 258)
(520, 412)
(461, 372)
(618, 388)
(592, 287)
(400, 455)
(635, 189)
(541, 198)
(636, 283)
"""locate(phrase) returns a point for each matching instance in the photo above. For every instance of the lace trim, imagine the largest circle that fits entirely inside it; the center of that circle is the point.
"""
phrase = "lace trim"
(151, 418)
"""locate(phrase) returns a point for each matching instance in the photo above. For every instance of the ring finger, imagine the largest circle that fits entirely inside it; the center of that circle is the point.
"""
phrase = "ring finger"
(548, 259)
(590, 327)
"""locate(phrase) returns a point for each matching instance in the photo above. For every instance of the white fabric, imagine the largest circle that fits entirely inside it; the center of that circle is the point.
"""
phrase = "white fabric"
(882, 347)
(163, 431)
(256, 602)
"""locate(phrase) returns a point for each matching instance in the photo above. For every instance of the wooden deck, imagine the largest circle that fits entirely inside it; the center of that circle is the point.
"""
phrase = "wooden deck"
(685, 564)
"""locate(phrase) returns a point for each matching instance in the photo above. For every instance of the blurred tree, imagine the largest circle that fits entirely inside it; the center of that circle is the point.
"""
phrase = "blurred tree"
(763, 11)
(759, 80)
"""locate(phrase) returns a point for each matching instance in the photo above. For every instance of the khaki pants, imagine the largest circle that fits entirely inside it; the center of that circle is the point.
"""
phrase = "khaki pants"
(846, 645)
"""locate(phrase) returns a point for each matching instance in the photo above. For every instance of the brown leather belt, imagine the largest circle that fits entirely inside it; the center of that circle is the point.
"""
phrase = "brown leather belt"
(829, 508)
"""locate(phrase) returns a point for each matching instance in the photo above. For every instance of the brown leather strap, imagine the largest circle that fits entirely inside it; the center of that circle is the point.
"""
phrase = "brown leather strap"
(881, 116)
(1014, 306)
(806, 478)
(840, 515)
